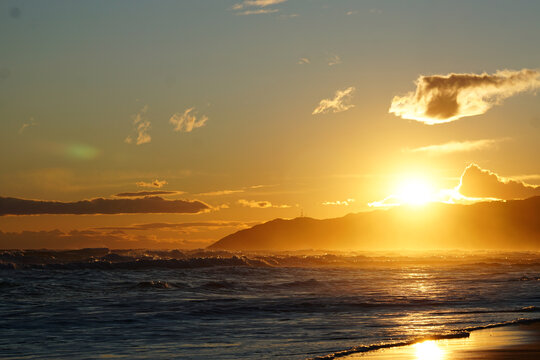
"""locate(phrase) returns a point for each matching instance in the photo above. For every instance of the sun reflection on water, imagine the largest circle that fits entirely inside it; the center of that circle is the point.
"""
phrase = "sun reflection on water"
(428, 350)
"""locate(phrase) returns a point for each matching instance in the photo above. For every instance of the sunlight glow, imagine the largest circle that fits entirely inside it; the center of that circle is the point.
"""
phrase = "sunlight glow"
(415, 192)
(428, 350)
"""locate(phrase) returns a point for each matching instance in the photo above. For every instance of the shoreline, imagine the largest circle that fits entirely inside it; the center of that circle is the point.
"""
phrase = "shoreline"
(493, 341)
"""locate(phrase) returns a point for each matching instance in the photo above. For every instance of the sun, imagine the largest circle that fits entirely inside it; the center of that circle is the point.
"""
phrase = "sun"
(414, 191)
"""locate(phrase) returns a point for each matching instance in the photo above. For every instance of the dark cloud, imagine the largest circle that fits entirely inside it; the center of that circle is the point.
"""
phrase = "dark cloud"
(444, 98)
(148, 193)
(480, 183)
(150, 204)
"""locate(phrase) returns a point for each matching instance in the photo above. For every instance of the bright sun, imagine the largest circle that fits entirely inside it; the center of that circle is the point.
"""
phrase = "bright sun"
(414, 191)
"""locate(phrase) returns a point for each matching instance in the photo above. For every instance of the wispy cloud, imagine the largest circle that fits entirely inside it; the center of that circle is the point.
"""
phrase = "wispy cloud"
(257, 12)
(141, 126)
(154, 184)
(256, 3)
(31, 122)
(263, 204)
(148, 193)
(334, 60)
(339, 202)
(456, 146)
(232, 191)
(221, 192)
(533, 177)
(256, 7)
(187, 121)
(444, 98)
(303, 61)
(337, 104)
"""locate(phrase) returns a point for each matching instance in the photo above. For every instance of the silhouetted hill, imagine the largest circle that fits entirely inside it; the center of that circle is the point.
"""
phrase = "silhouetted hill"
(509, 225)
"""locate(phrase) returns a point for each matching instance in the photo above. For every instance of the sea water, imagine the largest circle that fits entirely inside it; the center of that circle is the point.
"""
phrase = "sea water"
(129, 304)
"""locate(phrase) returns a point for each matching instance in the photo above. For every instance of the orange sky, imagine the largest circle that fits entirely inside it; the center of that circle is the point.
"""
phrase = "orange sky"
(238, 115)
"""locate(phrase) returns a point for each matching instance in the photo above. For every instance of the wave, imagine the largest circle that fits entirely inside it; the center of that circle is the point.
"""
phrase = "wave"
(454, 334)
(153, 285)
(502, 311)
(103, 258)
(138, 264)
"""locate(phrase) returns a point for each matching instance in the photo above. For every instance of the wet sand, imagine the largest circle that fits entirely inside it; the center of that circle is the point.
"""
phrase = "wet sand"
(519, 342)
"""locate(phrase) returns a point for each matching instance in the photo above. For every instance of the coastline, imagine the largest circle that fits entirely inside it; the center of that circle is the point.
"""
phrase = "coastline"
(518, 339)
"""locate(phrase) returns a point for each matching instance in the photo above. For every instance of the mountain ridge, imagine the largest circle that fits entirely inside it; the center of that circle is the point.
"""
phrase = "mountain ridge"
(508, 225)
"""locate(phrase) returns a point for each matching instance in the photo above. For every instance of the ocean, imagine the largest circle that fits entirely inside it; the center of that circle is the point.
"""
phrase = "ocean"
(137, 304)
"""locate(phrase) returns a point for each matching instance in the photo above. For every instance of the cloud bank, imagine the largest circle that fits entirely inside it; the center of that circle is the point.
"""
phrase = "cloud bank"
(141, 126)
(444, 98)
(150, 204)
(480, 183)
(187, 121)
(455, 146)
(78, 239)
(162, 226)
(337, 104)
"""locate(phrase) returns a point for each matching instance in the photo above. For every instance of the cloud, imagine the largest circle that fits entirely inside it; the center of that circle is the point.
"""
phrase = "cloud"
(77, 239)
(235, 191)
(161, 226)
(334, 60)
(339, 202)
(28, 124)
(256, 7)
(456, 146)
(480, 183)
(260, 204)
(141, 127)
(187, 121)
(444, 98)
(337, 104)
(475, 185)
(256, 3)
(150, 204)
(257, 12)
(352, 12)
(221, 192)
(156, 183)
(148, 193)
(303, 61)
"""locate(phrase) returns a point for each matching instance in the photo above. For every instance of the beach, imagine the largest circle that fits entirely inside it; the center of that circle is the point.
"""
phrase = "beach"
(501, 343)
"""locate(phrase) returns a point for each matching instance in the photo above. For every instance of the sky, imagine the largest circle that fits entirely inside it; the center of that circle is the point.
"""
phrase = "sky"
(238, 112)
